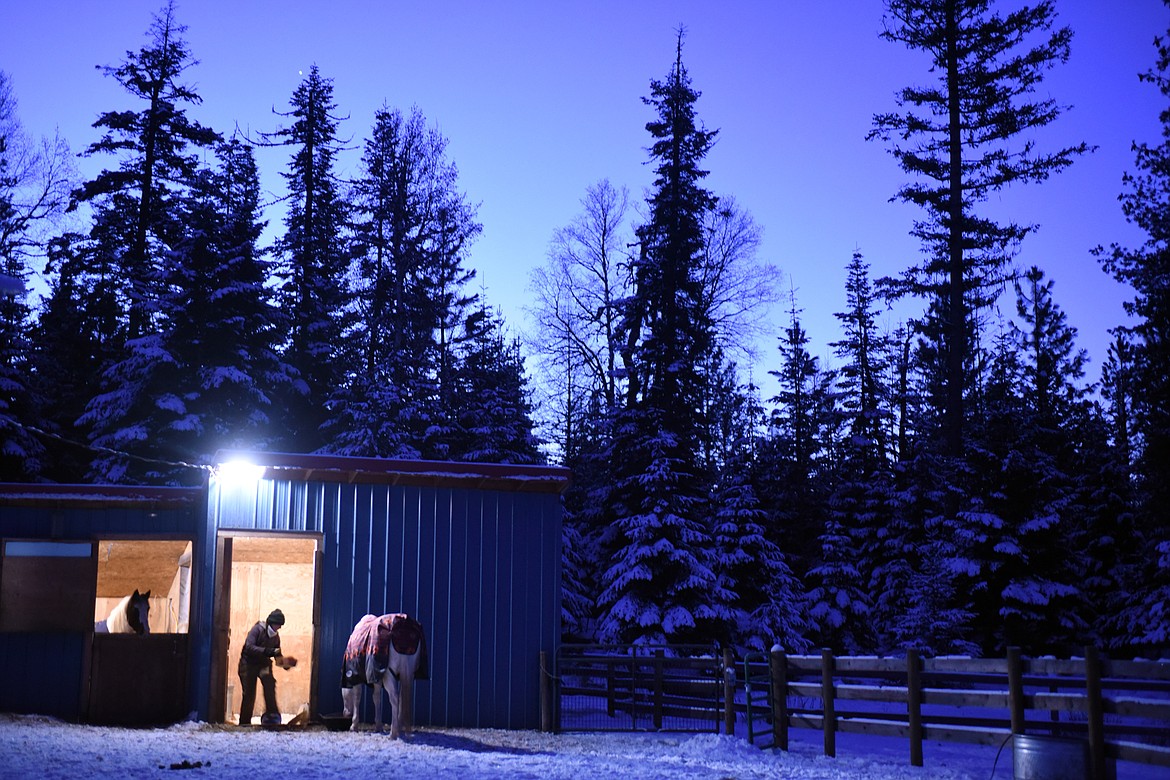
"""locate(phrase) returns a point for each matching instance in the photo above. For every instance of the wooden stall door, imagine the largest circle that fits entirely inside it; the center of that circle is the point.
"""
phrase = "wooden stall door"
(138, 680)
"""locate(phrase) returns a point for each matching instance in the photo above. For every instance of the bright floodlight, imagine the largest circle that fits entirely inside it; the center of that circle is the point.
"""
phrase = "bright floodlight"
(239, 471)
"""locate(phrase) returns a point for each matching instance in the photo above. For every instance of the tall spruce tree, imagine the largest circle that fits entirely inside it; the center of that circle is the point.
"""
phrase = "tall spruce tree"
(136, 226)
(493, 411)
(963, 138)
(412, 228)
(221, 327)
(312, 261)
(797, 458)
(74, 332)
(1146, 269)
(1022, 535)
(657, 582)
(763, 601)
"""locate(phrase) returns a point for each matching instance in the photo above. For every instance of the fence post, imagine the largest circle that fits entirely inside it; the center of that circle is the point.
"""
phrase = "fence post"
(830, 716)
(1015, 666)
(1098, 767)
(914, 705)
(658, 690)
(728, 692)
(778, 668)
(546, 708)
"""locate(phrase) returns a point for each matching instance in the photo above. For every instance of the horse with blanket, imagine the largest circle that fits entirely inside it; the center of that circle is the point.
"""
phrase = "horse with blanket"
(387, 652)
(131, 615)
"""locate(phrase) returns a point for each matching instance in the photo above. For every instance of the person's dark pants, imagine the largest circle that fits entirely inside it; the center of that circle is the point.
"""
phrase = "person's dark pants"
(248, 675)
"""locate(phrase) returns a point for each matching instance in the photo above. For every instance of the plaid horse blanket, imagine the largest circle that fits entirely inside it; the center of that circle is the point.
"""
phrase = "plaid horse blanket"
(367, 654)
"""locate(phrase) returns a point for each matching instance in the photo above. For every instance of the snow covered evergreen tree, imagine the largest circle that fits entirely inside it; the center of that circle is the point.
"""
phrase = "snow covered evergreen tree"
(136, 225)
(220, 327)
(962, 139)
(763, 600)
(75, 332)
(657, 585)
(412, 229)
(798, 458)
(312, 259)
(1144, 618)
(1017, 534)
(493, 412)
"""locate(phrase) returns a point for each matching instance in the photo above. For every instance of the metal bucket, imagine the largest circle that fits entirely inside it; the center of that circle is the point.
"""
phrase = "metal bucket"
(1049, 758)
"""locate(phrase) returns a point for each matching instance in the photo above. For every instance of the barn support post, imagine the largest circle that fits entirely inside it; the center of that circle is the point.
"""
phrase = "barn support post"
(778, 668)
(1098, 768)
(829, 721)
(1015, 668)
(546, 696)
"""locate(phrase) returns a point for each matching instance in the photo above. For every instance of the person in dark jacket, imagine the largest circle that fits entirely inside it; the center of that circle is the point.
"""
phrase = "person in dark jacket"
(260, 648)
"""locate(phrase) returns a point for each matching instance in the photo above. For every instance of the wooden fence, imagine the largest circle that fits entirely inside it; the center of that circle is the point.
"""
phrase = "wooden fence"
(1119, 710)
(660, 688)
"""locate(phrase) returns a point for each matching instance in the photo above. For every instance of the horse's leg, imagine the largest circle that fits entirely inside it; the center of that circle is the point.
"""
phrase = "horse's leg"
(394, 692)
(351, 699)
(406, 700)
(378, 686)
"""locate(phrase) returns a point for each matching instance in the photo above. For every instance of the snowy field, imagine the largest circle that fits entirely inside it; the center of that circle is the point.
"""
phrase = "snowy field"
(33, 746)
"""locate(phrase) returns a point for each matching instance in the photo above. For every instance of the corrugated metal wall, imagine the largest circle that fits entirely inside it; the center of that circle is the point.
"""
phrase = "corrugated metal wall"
(479, 568)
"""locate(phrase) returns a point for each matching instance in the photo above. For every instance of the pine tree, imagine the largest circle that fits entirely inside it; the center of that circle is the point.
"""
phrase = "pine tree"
(763, 601)
(136, 226)
(865, 351)
(798, 456)
(494, 415)
(962, 139)
(412, 229)
(220, 325)
(74, 333)
(1141, 387)
(160, 149)
(655, 588)
(1023, 533)
(312, 261)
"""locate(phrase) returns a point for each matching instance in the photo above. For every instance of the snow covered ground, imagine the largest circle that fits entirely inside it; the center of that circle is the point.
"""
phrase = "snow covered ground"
(33, 746)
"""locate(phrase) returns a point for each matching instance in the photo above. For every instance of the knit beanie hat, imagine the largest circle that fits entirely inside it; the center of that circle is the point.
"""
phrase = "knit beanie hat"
(276, 618)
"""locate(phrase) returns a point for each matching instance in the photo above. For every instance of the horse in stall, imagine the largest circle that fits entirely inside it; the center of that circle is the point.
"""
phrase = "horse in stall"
(131, 615)
(387, 652)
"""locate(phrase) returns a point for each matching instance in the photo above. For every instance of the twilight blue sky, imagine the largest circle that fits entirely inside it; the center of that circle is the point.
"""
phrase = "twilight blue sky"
(540, 99)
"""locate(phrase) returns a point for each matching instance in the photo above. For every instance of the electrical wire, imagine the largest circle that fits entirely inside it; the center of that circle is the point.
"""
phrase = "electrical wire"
(105, 450)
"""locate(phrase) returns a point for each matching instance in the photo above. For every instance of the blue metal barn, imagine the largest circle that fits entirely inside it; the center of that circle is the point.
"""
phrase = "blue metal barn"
(472, 550)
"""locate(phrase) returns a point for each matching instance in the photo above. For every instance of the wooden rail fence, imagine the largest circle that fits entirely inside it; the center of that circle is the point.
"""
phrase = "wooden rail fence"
(1119, 710)
(662, 688)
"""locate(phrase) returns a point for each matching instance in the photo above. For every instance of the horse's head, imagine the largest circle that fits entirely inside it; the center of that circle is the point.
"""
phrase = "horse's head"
(138, 612)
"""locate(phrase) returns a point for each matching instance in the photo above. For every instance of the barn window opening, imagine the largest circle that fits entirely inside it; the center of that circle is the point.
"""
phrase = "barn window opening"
(160, 567)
